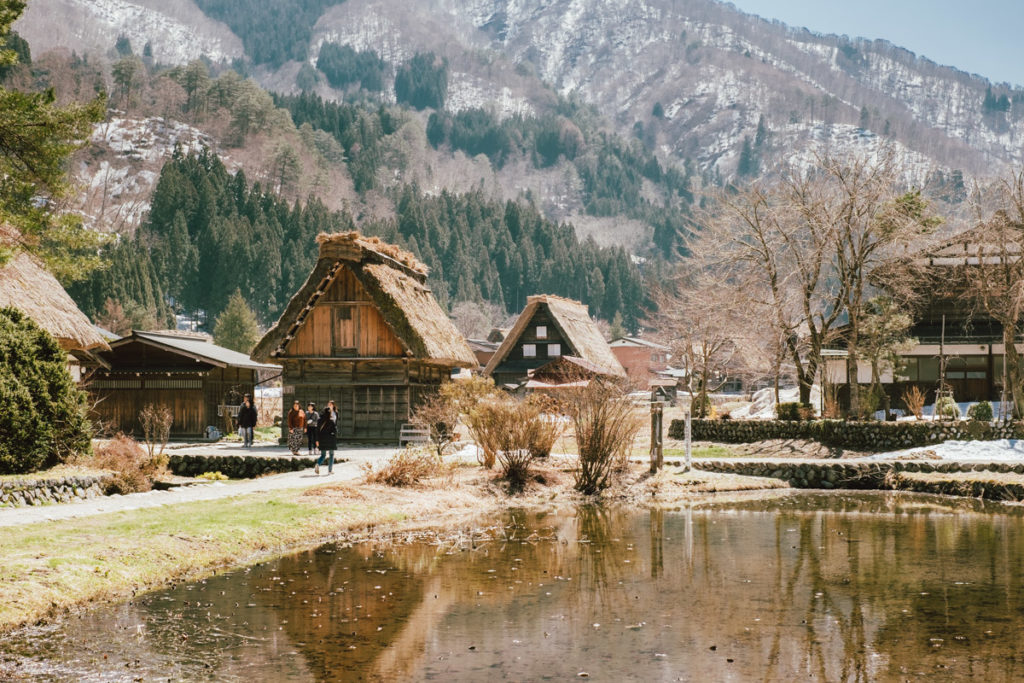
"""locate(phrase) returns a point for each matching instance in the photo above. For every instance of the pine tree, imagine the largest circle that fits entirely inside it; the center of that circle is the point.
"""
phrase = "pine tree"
(38, 137)
(747, 165)
(236, 327)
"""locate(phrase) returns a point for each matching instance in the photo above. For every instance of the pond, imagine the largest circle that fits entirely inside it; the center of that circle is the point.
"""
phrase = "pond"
(797, 585)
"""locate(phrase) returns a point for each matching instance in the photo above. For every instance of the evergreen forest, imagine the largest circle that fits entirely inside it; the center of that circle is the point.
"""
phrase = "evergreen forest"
(211, 232)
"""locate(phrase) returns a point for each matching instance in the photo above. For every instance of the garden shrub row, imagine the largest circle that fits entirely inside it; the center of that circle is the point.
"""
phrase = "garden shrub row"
(237, 466)
(865, 436)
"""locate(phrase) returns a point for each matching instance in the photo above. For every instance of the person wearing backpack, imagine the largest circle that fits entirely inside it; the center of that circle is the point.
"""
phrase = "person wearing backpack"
(327, 436)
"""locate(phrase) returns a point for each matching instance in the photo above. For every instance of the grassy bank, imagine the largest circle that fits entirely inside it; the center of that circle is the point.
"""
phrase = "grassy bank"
(49, 567)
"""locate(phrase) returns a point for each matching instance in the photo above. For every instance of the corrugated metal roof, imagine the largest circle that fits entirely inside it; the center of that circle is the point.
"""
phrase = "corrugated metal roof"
(200, 348)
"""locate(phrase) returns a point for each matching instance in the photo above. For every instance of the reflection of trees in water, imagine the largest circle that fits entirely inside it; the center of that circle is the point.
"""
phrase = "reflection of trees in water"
(796, 592)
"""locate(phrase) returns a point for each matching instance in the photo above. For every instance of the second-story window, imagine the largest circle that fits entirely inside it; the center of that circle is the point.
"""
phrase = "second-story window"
(554, 350)
(542, 332)
(529, 350)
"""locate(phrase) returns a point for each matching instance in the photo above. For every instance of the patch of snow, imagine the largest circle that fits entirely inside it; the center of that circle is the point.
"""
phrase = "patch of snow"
(763, 406)
(1001, 450)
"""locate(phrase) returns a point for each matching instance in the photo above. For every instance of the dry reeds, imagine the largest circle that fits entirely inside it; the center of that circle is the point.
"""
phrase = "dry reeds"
(913, 398)
(407, 467)
(513, 433)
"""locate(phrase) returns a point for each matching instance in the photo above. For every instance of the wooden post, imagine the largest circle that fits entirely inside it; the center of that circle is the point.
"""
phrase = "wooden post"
(688, 440)
(657, 442)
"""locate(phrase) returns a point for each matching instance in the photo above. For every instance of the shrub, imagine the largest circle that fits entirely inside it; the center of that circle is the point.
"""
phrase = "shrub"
(913, 398)
(486, 422)
(606, 425)
(543, 413)
(156, 427)
(513, 433)
(42, 413)
(134, 470)
(945, 406)
(788, 411)
(407, 467)
(213, 476)
(870, 402)
(701, 406)
(980, 412)
(440, 416)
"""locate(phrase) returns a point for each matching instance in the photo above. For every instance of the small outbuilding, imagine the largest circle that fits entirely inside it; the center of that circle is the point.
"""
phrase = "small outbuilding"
(200, 382)
(365, 331)
(548, 328)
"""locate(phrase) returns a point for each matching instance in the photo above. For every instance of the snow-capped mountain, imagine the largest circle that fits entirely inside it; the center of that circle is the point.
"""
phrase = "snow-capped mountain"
(693, 78)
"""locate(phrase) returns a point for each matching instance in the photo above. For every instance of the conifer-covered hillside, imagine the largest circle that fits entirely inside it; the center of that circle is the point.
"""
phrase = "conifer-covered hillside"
(210, 233)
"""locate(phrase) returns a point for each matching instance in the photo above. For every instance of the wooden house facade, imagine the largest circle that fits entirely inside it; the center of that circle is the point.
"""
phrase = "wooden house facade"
(200, 382)
(957, 344)
(548, 328)
(366, 332)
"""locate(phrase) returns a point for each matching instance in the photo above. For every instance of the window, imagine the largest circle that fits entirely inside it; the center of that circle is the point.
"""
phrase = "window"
(529, 350)
(542, 332)
(554, 350)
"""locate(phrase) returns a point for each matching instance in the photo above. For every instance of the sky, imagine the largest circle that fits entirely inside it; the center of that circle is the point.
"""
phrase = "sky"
(977, 36)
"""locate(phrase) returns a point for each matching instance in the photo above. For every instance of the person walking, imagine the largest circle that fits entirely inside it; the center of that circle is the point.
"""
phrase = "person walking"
(312, 420)
(247, 417)
(296, 427)
(327, 433)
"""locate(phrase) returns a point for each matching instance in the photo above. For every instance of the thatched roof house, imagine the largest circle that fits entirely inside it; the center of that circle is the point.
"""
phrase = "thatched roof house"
(366, 332)
(395, 282)
(26, 284)
(548, 328)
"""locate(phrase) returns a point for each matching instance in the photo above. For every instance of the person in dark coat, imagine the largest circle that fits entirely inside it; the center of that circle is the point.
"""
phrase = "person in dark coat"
(312, 420)
(247, 417)
(327, 433)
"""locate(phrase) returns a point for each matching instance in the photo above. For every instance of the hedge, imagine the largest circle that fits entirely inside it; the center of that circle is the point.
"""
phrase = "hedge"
(237, 466)
(865, 436)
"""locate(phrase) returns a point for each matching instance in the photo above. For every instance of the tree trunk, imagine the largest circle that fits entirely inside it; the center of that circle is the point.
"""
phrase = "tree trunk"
(1011, 358)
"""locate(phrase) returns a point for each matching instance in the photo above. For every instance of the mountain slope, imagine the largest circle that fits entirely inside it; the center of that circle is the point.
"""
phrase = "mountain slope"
(692, 78)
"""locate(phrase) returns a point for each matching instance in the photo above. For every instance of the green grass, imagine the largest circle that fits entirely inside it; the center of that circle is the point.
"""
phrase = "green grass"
(713, 451)
(49, 566)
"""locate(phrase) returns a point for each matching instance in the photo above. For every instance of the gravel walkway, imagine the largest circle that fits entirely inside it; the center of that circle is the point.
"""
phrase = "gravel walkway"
(207, 491)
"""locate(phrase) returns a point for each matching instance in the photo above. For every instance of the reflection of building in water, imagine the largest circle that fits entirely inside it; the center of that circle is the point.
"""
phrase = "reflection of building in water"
(832, 588)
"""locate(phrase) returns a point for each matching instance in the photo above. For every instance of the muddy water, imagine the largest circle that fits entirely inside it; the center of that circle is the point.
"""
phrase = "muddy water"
(799, 586)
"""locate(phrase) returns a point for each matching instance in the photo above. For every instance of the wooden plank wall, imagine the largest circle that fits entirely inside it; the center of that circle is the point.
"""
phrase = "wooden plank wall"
(119, 409)
(345, 322)
(193, 409)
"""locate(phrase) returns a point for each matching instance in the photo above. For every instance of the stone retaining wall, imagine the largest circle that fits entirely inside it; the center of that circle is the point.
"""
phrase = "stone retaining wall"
(866, 436)
(22, 492)
(849, 474)
(238, 466)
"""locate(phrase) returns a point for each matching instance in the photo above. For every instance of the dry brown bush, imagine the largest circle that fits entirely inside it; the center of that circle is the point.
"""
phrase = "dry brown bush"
(440, 416)
(486, 421)
(513, 433)
(407, 467)
(156, 427)
(606, 426)
(134, 471)
(913, 398)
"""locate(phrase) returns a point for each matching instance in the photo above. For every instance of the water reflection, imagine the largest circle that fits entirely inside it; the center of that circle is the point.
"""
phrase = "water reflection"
(843, 587)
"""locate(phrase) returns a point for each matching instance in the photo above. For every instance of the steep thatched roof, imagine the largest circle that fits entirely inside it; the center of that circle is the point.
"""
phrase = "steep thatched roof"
(26, 285)
(395, 281)
(571, 318)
